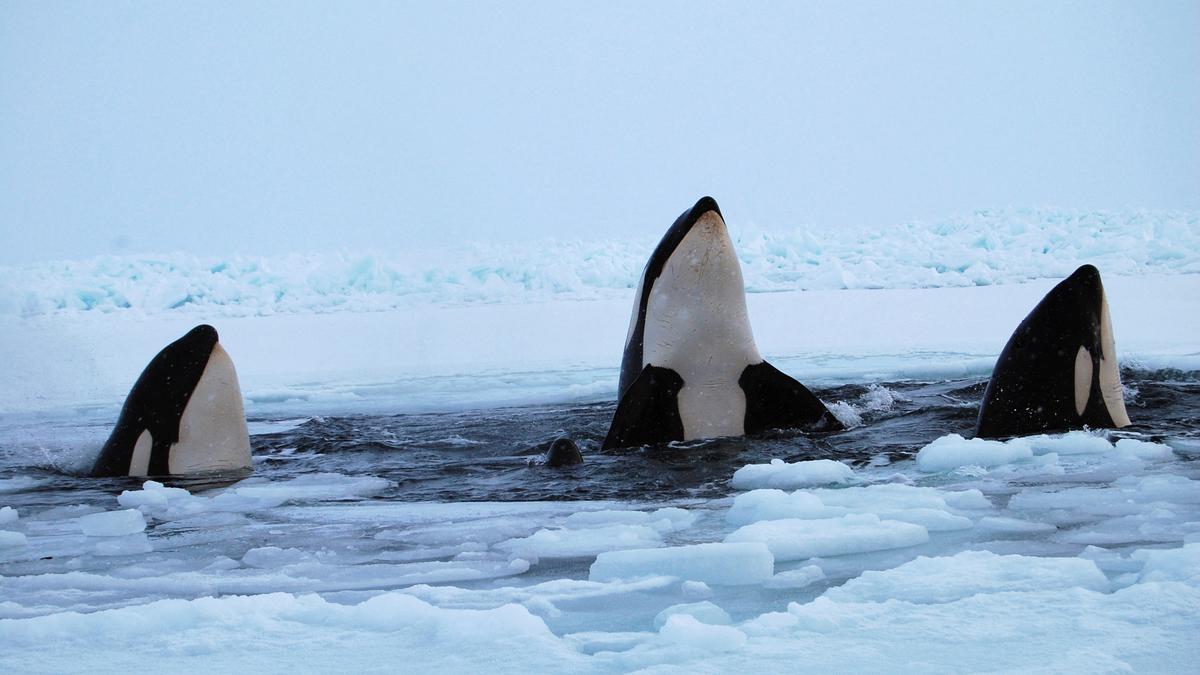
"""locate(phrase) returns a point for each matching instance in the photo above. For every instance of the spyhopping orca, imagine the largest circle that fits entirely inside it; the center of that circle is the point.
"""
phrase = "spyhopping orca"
(184, 415)
(563, 452)
(1059, 369)
(691, 368)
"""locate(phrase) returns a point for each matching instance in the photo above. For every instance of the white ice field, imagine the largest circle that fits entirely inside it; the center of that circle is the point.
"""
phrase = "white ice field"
(1068, 553)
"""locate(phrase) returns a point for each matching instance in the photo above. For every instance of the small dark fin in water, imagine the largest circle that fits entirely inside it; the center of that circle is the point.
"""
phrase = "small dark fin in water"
(776, 401)
(563, 452)
(648, 412)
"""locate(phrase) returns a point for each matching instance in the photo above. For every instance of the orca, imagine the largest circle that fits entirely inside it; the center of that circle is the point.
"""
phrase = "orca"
(1059, 369)
(184, 414)
(691, 368)
(563, 452)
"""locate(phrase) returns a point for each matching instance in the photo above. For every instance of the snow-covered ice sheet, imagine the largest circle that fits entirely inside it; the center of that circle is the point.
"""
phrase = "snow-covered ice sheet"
(984, 248)
(445, 358)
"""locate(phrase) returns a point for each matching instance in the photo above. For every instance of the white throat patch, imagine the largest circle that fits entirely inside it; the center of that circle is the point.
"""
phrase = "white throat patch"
(212, 432)
(698, 326)
(1110, 375)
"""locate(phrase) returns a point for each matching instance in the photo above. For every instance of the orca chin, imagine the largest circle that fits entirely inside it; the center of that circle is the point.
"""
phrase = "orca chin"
(183, 416)
(691, 368)
(1059, 369)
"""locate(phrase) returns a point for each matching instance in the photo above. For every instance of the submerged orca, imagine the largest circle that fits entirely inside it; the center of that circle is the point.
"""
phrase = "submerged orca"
(691, 368)
(1059, 369)
(563, 452)
(184, 414)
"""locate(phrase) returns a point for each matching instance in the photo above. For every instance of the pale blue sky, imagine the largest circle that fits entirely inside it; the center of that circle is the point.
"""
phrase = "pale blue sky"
(264, 127)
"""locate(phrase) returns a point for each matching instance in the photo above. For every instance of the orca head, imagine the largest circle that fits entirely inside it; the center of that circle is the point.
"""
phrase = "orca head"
(183, 415)
(563, 452)
(691, 295)
(1059, 369)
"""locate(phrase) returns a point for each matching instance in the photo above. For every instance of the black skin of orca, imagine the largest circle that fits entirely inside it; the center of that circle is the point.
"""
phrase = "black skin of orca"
(156, 403)
(563, 452)
(648, 410)
(1032, 389)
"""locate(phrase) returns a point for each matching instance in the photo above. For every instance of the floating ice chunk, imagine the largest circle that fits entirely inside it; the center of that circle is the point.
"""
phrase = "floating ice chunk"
(795, 539)
(11, 539)
(780, 474)
(271, 557)
(585, 542)
(728, 564)
(605, 517)
(928, 507)
(1131, 447)
(153, 494)
(1184, 446)
(130, 544)
(1014, 525)
(667, 519)
(965, 499)
(756, 505)
(686, 631)
(313, 487)
(556, 590)
(19, 484)
(254, 494)
(696, 590)
(113, 523)
(1177, 564)
(798, 578)
(946, 579)
(953, 451)
(671, 519)
(704, 612)
(1082, 500)
(1111, 561)
(895, 496)
(1073, 443)
(8, 515)
(1168, 488)
(771, 624)
(305, 633)
(934, 520)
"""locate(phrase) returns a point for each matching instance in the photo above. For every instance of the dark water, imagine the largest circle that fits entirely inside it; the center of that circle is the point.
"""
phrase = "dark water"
(496, 455)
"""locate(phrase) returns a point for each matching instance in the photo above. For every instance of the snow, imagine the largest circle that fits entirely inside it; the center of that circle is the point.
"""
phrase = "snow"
(714, 563)
(787, 476)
